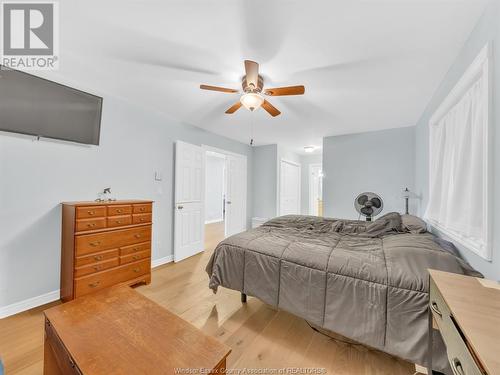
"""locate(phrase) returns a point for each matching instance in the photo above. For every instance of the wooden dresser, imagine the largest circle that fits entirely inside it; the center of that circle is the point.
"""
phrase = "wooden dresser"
(468, 316)
(104, 243)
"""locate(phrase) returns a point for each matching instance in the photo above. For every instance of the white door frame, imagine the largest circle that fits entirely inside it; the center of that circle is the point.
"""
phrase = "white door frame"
(234, 154)
(311, 187)
(278, 203)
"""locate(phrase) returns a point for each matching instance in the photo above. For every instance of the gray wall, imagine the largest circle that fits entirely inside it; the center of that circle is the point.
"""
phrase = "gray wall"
(306, 161)
(266, 177)
(487, 29)
(381, 161)
(37, 176)
(265, 169)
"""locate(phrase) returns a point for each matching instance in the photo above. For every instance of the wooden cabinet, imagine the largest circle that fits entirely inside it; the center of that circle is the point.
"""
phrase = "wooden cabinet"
(467, 314)
(104, 243)
(119, 331)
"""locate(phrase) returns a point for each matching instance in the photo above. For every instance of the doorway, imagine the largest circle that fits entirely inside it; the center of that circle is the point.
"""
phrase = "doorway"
(215, 197)
(225, 191)
(193, 211)
(316, 189)
(289, 188)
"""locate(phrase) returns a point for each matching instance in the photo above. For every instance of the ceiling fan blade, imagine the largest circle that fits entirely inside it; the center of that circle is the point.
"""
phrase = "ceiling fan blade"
(215, 88)
(281, 91)
(272, 110)
(234, 108)
(252, 72)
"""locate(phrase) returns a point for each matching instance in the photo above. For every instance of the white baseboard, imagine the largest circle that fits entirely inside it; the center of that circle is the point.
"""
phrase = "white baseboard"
(158, 262)
(29, 303)
(33, 302)
(214, 221)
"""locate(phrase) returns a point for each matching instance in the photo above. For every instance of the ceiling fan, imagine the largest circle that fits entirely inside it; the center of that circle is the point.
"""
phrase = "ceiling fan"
(253, 85)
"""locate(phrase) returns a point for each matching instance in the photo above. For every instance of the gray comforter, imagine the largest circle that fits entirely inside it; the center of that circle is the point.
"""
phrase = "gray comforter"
(366, 281)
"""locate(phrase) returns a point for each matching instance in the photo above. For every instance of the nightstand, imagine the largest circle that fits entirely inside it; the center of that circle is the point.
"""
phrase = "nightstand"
(468, 316)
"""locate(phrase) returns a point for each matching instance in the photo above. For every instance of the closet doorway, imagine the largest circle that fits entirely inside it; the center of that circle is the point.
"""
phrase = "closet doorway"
(289, 188)
(225, 193)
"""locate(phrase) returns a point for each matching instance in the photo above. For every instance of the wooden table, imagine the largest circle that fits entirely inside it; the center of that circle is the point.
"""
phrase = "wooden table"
(119, 331)
(468, 317)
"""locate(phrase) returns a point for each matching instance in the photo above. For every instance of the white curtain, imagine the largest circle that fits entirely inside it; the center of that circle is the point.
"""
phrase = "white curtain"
(458, 167)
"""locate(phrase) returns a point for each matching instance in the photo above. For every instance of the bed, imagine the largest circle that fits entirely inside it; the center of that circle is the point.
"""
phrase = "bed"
(365, 281)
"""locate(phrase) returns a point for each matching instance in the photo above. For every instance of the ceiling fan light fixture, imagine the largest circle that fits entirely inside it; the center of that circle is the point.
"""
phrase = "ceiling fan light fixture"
(251, 100)
(309, 149)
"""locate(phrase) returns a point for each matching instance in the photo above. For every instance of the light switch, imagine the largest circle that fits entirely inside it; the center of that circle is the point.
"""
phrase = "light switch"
(158, 176)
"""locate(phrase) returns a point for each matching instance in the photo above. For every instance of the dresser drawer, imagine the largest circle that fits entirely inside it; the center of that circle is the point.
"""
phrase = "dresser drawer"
(96, 267)
(142, 208)
(117, 210)
(146, 246)
(94, 243)
(90, 224)
(438, 307)
(89, 259)
(91, 211)
(459, 356)
(119, 221)
(135, 257)
(141, 218)
(88, 284)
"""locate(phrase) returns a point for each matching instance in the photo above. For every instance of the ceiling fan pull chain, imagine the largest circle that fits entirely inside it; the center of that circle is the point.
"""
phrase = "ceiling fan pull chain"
(251, 128)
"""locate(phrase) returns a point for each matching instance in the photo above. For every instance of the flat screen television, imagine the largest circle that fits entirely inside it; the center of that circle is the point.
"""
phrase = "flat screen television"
(36, 106)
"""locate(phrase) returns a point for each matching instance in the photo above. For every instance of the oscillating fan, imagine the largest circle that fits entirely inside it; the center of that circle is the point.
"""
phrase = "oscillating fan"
(368, 204)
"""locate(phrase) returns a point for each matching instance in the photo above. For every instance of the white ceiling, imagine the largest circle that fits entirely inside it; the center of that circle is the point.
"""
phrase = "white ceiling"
(366, 65)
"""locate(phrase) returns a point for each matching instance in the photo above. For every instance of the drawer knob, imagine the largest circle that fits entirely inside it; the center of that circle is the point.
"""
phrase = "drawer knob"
(142, 209)
(119, 211)
(137, 270)
(456, 366)
(94, 285)
(135, 257)
(91, 225)
(118, 221)
(94, 244)
(142, 219)
(98, 257)
(137, 236)
(97, 268)
(135, 249)
(435, 308)
(90, 212)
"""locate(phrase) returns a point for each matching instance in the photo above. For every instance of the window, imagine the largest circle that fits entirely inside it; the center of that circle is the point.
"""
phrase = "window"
(459, 167)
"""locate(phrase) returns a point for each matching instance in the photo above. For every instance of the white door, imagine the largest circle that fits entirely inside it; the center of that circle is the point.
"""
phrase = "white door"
(315, 189)
(189, 218)
(236, 195)
(289, 188)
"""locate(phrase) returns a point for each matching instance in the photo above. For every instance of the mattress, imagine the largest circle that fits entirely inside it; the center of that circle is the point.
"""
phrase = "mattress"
(366, 281)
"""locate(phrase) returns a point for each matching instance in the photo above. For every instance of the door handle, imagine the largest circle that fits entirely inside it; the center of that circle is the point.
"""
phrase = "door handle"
(228, 202)
(180, 207)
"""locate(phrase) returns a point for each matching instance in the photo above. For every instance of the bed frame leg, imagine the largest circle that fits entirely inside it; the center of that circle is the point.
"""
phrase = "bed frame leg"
(243, 298)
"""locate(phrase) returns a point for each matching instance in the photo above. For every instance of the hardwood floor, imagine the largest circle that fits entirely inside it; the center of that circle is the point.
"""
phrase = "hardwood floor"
(260, 336)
